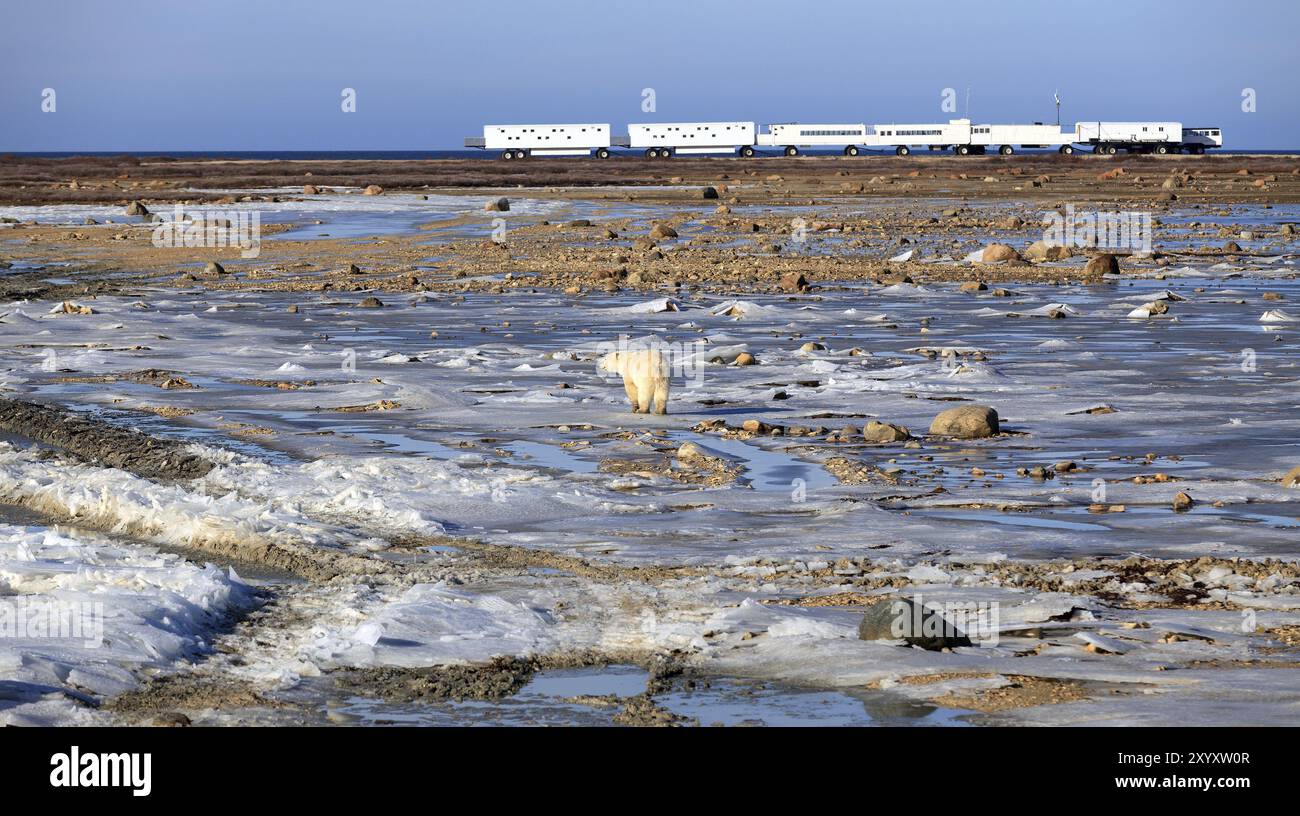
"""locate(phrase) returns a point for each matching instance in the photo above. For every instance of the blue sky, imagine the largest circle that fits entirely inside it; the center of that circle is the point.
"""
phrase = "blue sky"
(236, 75)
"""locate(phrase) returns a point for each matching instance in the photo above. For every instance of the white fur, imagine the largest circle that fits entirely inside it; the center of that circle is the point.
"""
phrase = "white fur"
(645, 377)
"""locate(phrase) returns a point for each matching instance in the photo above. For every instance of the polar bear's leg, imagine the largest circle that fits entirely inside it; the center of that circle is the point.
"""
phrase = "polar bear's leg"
(644, 394)
(661, 396)
(630, 388)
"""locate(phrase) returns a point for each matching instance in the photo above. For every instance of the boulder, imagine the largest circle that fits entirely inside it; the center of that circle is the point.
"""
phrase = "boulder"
(373, 189)
(1292, 477)
(661, 232)
(999, 252)
(310, 189)
(497, 205)
(793, 282)
(904, 619)
(875, 431)
(974, 286)
(136, 208)
(708, 192)
(966, 422)
(1047, 251)
(1103, 264)
(214, 268)
(370, 303)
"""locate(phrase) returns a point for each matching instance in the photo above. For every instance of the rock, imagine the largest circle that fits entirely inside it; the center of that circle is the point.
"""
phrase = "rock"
(1292, 477)
(580, 222)
(793, 282)
(1232, 246)
(293, 308)
(661, 232)
(755, 426)
(1103, 264)
(136, 208)
(966, 422)
(497, 205)
(722, 209)
(353, 269)
(370, 303)
(1182, 502)
(708, 192)
(744, 358)
(904, 619)
(1047, 251)
(1011, 222)
(310, 189)
(811, 346)
(1287, 229)
(999, 252)
(213, 268)
(974, 286)
(875, 431)
(372, 190)
(691, 453)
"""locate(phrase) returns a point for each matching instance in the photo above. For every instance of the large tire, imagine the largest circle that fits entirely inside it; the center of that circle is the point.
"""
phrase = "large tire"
(962, 150)
(747, 152)
(652, 153)
(1162, 150)
(1067, 150)
(792, 151)
(602, 153)
(665, 153)
(851, 150)
(1006, 150)
(902, 150)
(507, 155)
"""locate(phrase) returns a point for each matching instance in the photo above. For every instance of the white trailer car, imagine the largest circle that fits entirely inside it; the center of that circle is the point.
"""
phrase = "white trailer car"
(664, 140)
(965, 138)
(1132, 137)
(521, 141)
(793, 135)
(1198, 140)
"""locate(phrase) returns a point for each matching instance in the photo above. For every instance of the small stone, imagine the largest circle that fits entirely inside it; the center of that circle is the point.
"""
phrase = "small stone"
(1182, 502)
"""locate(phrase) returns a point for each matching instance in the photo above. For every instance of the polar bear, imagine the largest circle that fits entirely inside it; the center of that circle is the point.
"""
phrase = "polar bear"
(645, 377)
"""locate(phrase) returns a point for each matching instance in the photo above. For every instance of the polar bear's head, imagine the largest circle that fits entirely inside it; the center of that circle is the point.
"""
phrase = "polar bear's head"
(611, 362)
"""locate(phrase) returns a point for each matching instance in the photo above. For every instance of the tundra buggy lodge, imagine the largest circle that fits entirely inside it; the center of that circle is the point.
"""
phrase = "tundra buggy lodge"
(662, 141)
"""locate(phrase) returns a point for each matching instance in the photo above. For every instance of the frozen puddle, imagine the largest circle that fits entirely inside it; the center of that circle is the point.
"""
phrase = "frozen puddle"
(586, 697)
(767, 470)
